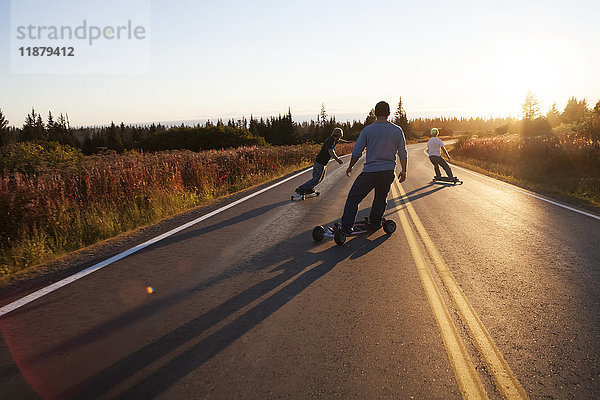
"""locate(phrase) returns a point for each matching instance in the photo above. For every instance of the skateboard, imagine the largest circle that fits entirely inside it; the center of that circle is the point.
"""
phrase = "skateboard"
(360, 228)
(304, 196)
(455, 181)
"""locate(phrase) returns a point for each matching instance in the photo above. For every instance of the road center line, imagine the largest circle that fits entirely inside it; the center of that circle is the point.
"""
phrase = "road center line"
(506, 381)
(464, 371)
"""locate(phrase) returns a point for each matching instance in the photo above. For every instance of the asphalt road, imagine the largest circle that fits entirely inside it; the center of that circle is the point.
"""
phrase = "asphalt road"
(483, 291)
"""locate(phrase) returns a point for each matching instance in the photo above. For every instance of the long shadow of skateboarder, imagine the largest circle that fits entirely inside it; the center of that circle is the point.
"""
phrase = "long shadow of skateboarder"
(302, 267)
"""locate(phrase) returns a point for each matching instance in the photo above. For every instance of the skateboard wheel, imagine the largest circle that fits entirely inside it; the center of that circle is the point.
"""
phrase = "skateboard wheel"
(292, 197)
(318, 233)
(317, 193)
(303, 197)
(389, 226)
(339, 236)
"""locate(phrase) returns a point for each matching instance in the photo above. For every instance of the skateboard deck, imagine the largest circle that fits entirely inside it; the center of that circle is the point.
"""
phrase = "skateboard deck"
(445, 179)
(304, 196)
(360, 228)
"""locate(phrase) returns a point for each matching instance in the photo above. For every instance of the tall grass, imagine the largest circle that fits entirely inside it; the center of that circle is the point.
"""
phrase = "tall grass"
(54, 200)
(567, 164)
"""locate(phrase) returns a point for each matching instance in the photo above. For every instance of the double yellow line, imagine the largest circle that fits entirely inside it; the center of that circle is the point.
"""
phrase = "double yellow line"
(468, 379)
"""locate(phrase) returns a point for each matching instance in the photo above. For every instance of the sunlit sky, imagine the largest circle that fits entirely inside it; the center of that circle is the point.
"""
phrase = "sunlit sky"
(232, 58)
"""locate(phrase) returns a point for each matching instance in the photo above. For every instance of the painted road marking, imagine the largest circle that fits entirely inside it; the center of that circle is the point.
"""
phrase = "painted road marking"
(518, 189)
(57, 285)
(464, 371)
(506, 381)
(507, 185)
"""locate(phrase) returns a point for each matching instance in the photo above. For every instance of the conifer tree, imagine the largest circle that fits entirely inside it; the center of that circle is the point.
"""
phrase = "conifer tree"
(553, 116)
(531, 109)
(6, 136)
(575, 110)
(50, 123)
(114, 139)
(33, 128)
(371, 117)
(400, 118)
(323, 115)
(3, 122)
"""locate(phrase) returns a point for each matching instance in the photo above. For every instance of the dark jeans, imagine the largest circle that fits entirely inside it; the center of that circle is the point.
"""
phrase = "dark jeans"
(318, 173)
(367, 181)
(438, 161)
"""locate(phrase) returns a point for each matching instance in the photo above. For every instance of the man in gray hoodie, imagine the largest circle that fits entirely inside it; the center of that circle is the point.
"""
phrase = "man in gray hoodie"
(383, 140)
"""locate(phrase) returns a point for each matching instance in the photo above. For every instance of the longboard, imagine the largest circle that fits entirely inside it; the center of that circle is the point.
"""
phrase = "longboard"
(304, 196)
(445, 179)
(360, 228)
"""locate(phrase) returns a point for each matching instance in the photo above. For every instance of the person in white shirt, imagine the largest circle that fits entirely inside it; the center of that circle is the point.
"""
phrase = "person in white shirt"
(434, 149)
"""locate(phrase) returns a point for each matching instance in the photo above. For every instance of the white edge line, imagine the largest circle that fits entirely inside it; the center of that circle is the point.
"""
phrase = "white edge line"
(513, 187)
(57, 285)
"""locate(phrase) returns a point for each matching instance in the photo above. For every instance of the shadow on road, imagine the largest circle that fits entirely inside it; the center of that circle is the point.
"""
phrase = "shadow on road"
(148, 309)
(300, 267)
(415, 195)
(194, 233)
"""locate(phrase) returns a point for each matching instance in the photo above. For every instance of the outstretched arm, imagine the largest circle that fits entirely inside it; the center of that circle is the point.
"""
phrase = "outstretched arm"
(446, 151)
(334, 156)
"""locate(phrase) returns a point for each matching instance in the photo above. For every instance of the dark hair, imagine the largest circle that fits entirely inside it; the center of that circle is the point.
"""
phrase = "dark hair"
(382, 109)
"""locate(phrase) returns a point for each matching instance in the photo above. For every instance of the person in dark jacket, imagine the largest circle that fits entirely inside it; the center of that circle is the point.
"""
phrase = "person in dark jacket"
(327, 152)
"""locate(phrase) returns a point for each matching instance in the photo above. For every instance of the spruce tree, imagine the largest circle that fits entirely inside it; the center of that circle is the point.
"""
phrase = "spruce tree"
(371, 117)
(3, 122)
(575, 110)
(531, 109)
(33, 128)
(553, 116)
(400, 118)
(323, 115)
(6, 136)
(51, 131)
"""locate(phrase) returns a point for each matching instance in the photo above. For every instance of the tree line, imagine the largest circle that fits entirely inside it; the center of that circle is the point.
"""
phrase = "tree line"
(577, 116)
(281, 130)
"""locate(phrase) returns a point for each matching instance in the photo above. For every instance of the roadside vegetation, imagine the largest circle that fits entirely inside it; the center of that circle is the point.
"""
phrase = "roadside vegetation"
(557, 153)
(54, 199)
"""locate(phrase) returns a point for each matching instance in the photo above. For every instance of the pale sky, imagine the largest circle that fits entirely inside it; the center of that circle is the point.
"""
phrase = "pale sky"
(232, 58)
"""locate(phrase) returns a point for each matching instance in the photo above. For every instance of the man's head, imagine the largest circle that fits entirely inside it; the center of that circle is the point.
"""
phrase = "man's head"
(434, 132)
(382, 109)
(337, 133)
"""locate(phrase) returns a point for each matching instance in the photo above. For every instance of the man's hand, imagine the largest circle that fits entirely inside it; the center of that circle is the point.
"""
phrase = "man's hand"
(349, 171)
(402, 176)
